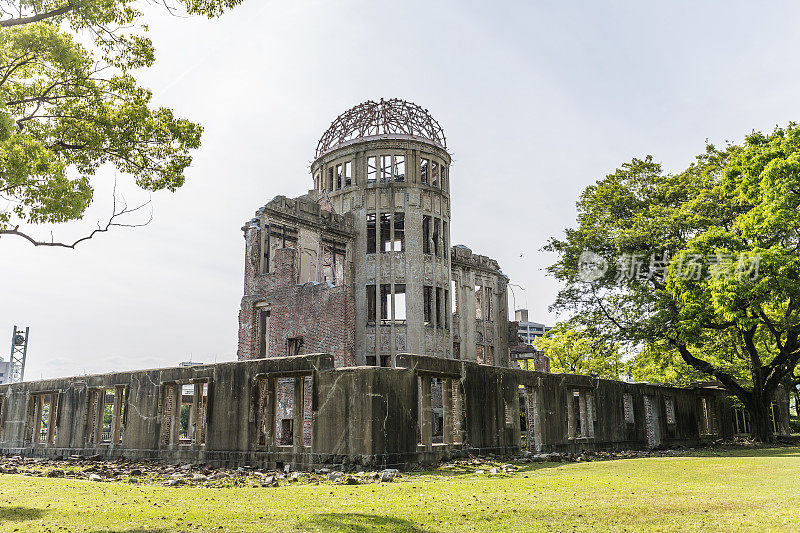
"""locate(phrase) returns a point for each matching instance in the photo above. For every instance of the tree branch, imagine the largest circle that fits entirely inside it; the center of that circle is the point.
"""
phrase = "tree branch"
(7, 23)
(110, 223)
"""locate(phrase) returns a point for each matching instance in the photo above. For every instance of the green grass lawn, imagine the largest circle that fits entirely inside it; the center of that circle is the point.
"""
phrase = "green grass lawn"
(733, 490)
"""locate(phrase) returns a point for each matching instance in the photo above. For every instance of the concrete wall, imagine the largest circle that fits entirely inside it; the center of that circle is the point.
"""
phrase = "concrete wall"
(365, 415)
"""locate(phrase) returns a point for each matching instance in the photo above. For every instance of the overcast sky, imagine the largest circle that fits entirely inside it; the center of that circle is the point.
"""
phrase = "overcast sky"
(537, 99)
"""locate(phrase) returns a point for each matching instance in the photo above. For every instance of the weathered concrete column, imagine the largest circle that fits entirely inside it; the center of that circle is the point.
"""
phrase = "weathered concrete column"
(570, 414)
(458, 415)
(589, 415)
(426, 413)
(447, 410)
(584, 418)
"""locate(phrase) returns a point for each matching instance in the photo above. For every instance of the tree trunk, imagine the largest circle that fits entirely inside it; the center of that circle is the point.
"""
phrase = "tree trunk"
(761, 420)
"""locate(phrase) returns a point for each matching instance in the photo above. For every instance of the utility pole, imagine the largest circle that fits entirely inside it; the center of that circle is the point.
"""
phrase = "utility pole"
(19, 349)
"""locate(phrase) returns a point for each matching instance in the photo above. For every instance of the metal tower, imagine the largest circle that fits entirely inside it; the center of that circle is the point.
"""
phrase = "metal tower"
(19, 349)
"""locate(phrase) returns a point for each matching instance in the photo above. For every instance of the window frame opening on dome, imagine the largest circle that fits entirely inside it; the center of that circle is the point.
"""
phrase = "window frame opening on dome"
(426, 234)
(372, 169)
(399, 168)
(424, 169)
(348, 173)
(386, 168)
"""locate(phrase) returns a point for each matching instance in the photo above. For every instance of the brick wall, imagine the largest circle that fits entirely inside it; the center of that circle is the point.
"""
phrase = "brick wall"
(320, 314)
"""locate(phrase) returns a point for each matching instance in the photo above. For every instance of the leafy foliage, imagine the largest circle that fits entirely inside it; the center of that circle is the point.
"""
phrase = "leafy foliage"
(69, 103)
(732, 217)
(573, 351)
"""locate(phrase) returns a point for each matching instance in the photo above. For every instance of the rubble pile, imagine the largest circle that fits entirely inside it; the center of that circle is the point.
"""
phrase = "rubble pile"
(126, 471)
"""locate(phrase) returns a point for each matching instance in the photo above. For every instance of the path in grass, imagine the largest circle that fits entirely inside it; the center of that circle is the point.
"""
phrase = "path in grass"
(753, 490)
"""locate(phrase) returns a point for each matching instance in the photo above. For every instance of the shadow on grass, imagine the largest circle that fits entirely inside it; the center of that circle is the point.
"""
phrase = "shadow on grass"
(20, 514)
(745, 451)
(358, 523)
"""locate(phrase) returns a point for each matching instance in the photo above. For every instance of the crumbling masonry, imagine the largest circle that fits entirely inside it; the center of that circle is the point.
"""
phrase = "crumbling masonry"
(366, 338)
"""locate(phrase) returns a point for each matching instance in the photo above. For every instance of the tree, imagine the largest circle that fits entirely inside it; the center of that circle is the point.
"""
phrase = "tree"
(702, 265)
(69, 104)
(574, 351)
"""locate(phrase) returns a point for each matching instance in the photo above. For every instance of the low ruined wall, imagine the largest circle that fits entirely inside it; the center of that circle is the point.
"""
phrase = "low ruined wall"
(303, 411)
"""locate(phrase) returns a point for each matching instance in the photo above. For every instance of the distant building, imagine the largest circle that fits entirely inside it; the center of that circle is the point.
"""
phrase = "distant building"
(5, 371)
(529, 331)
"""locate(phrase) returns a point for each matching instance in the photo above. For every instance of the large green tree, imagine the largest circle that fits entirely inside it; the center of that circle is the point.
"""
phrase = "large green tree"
(69, 103)
(700, 265)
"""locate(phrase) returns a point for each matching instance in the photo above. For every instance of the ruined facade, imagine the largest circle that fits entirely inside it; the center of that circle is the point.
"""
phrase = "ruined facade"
(375, 229)
(365, 338)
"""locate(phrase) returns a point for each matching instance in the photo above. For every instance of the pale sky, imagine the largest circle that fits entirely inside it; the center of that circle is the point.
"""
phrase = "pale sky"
(537, 99)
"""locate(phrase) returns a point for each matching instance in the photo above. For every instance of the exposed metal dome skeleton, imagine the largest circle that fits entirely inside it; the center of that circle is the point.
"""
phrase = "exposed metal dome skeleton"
(371, 118)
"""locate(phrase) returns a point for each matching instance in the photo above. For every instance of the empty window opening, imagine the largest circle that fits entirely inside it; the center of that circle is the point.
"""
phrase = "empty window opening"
(330, 179)
(398, 241)
(284, 411)
(333, 258)
(437, 408)
(339, 176)
(109, 403)
(294, 345)
(445, 249)
(478, 302)
(399, 303)
(371, 301)
(427, 304)
(741, 421)
(372, 169)
(426, 234)
(263, 332)
(490, 355)
(424, 168)
(386, 232)
(186, 414)
(45, 416)
(575, 415)
(348, 174)
(480, 356)
(454, 296)
(488, 299)
(386, 168)
(371, 232)
(393, 304)
(627, 406)
(437, 225)
(440, 411)
(399, 171)
(434, 173)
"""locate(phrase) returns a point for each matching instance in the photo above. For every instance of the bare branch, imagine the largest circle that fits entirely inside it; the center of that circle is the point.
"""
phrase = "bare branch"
(112, 222)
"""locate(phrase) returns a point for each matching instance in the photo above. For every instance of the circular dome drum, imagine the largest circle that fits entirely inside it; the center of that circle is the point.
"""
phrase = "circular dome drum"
(387, 117)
